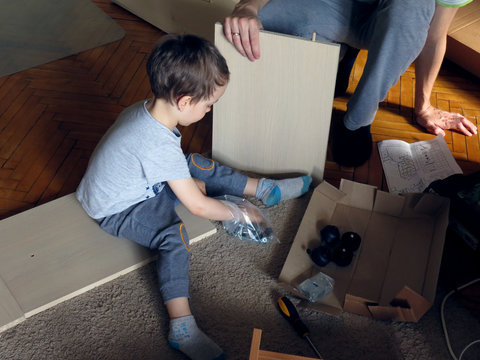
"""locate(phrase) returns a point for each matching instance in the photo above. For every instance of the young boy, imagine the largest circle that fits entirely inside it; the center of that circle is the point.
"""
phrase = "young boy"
(138, 173)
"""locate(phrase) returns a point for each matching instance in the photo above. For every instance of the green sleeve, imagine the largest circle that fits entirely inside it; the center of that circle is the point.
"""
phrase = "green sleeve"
(453, 3)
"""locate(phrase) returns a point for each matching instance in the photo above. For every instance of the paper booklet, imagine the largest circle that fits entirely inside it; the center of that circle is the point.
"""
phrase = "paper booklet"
(412, 167)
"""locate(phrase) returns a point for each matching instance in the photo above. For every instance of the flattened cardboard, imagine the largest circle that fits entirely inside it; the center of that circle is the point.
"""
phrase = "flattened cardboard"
(394, 273)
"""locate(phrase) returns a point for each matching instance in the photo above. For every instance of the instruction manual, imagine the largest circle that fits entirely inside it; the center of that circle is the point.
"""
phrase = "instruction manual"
(412, 167)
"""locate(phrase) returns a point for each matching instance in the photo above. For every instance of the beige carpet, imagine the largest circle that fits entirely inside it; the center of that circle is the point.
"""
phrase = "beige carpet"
(233, 290)
(35, 32)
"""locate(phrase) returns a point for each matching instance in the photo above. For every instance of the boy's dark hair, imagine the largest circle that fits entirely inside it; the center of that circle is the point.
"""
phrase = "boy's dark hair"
(186, 65)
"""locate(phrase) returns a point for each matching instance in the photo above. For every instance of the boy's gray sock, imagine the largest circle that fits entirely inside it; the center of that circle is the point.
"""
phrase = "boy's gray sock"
(188, 338)
(271, 192)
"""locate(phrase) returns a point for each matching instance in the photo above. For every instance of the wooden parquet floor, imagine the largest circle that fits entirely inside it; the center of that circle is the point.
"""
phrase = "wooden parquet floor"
(52, 116)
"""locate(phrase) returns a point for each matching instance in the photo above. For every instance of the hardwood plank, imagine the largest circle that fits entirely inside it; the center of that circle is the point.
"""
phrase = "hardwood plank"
(71, 181)
(12, 194)
(334, 173)
(53, 189)
(133, 66)
(65, 85)
(49, 171)
(31, 147)
(51, 97)
(109, 51)
(14, 105)
(361, 173)
(5, 173)
(187, 135)
(458, 140)
(357, 70)
(393, 96)
(117, 58)
(407, 102)
(470, 97)
(376, 175)
(6, 204)
(68, 68)
(139, 82)
(10, 90)
(445, 105)
(21, 124)
(120, 71)
(201, 132)
(85, 108)
(459, 156)
(473, 148)
(8, 183)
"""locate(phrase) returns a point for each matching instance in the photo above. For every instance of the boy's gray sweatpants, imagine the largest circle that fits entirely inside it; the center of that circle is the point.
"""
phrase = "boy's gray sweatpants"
(393, 31)
(153, 223)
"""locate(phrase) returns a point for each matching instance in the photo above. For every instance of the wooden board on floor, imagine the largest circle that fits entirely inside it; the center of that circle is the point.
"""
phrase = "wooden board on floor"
(257, 354)
(54, 252)
(181, 16)
(274, 117)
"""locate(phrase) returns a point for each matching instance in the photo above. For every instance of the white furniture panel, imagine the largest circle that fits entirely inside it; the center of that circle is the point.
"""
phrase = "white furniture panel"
(54, 252)
(274, 117)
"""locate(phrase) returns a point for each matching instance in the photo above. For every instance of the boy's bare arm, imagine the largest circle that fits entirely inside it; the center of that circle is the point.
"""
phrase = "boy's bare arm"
(188, 192)
(201, 185)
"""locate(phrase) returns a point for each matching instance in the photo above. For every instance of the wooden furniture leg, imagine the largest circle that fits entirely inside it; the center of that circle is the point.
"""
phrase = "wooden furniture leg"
(257, 354)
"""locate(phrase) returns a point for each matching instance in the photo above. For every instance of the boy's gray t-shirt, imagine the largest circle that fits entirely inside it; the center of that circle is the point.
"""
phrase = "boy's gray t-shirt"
(130, 163)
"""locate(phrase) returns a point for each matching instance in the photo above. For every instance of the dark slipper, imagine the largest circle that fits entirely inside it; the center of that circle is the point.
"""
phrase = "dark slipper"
(351, 148)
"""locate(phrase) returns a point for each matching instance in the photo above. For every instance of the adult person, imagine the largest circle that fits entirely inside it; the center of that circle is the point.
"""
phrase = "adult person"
(395, 32)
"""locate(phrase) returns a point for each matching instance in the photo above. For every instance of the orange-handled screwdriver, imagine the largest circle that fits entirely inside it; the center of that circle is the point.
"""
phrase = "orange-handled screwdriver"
(287, 309)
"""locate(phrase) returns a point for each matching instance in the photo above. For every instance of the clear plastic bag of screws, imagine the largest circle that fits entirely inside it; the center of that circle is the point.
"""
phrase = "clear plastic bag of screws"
(249, 222)
(317, 286)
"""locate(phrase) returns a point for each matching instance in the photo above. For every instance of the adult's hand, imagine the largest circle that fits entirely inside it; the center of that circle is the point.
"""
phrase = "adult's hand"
(436, 121)
(243, 26)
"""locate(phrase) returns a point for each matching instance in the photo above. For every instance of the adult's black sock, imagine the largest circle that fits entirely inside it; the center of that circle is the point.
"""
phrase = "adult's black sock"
(351, 148)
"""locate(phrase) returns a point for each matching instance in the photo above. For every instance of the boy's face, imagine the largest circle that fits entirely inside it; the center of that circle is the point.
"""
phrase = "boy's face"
(196, 111)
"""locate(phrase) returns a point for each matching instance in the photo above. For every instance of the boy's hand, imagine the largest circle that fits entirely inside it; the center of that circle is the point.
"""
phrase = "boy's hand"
(248, 224)
(189, 192)
(252, 215)
(243, 213)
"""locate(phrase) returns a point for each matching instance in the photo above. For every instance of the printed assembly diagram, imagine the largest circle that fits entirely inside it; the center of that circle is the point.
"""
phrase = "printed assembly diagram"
(412, 167)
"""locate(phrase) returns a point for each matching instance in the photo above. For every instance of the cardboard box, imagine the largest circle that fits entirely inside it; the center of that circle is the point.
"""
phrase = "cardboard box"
(394, 273)
(463, 40)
